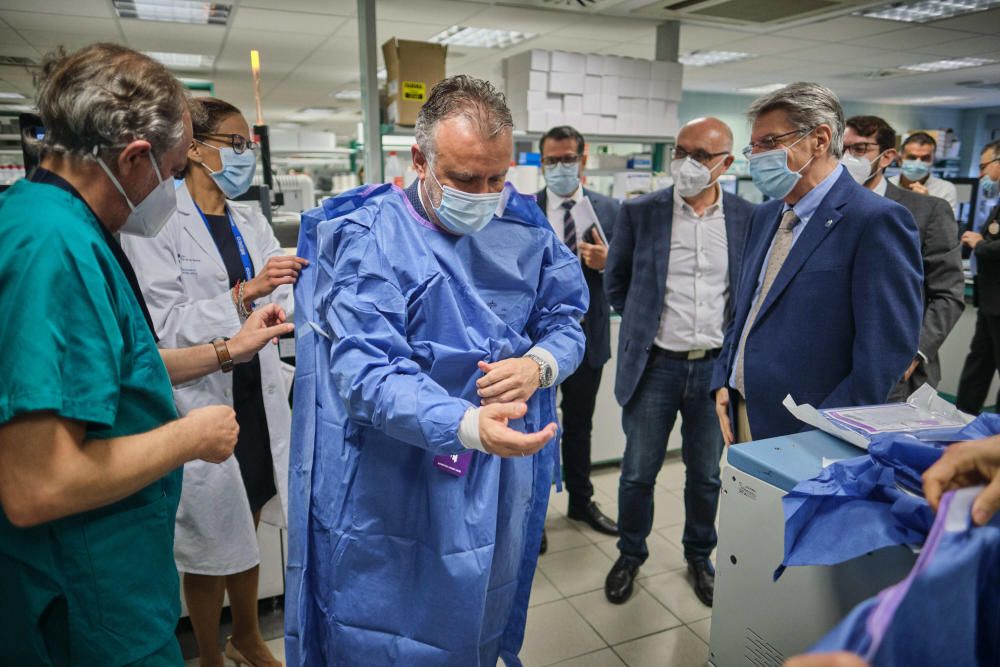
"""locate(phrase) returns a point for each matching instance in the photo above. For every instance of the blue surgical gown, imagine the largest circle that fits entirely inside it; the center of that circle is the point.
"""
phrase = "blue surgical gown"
(391, 560)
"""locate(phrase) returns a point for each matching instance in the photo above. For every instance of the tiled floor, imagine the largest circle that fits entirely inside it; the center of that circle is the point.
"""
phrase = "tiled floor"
(571, 623)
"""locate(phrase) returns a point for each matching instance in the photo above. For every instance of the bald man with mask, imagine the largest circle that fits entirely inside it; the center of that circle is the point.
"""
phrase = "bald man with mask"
(677, 254)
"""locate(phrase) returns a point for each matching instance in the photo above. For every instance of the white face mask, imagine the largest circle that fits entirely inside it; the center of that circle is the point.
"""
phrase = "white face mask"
(690, 176)
(859, 168)
(150, 215)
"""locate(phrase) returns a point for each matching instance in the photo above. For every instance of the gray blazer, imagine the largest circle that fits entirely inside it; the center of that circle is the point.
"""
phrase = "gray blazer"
(635, 278)
(944, 281)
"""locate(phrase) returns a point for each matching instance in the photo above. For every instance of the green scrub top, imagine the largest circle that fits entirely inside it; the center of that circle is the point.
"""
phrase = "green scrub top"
(101, 587)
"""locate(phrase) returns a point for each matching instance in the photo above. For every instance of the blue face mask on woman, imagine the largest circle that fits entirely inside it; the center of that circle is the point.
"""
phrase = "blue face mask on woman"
(770, 173)
(237, 171)
(914, 170)
(563, 179)
(463, 212)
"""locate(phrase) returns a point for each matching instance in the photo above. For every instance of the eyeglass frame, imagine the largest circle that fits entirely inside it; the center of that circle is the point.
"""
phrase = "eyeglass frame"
(553, 160)
(849, 148)
(773, 141)
(984, 165)
(699, 155)
(247, 143)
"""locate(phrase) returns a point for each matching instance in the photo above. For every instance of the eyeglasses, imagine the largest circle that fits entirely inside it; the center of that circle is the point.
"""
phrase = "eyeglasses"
(771, 142)
(238, 142)
(983, 165)
(698, 155)
(860, 149)
(553, 160)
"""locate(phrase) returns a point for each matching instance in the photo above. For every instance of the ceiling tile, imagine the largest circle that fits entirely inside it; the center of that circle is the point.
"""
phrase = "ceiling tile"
(525, 20)
(909, 37)
(96, 8)
(45, 40)
(428, 11)
(840, 29)
(983, 23)
(103, 28)
(768, 45)
(335, 7)
(859, 55)
(609, 28)
(150, 36)
(699, 37)
(627, 49)
(248, 18)
(983, 47)
(21, 51)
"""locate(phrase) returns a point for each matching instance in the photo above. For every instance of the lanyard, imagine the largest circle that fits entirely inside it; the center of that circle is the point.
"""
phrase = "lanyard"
(240, 244)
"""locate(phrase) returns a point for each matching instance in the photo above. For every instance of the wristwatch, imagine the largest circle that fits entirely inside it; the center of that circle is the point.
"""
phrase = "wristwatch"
(222, 351)
(545, 378)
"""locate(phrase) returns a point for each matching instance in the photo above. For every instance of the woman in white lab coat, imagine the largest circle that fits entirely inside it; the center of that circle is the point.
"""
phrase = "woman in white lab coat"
(211, 264)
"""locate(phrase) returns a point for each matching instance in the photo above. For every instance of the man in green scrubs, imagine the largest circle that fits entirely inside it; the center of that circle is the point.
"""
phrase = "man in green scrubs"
(90, 443)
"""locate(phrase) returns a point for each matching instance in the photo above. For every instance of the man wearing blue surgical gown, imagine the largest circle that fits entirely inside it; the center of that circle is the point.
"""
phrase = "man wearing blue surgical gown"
(437, 323)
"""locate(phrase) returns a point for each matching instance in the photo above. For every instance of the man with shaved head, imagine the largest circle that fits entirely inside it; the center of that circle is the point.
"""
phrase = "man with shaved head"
(676, 253)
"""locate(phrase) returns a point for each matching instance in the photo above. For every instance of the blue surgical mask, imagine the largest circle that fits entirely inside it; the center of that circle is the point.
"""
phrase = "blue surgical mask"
(991, 188)
(463, 212)
(770, 173)
(914, 170)
(562, 179)
(236, 175)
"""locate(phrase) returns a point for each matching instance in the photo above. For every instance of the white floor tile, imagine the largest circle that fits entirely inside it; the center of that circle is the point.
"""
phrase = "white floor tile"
(606, 481)
(672, 475)
(556, 632)
(542, 590)
(563, 534)
(703, 629)
(576, 571)
(277, 647)
(641, 615)
(668, 508)
(677, 648)
(674, 534)
(674, 591)
(663, 556)
(604, 658)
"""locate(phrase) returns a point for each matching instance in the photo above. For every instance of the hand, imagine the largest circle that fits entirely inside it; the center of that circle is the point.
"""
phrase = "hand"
(909, 371)
(279, 270)
(968, 464)
(722, 410)
(919, 188)
(264, 324)
(500, 439)
(594, 255)
(215, 430)
(508, 381)
(839, 659)
(971, 239)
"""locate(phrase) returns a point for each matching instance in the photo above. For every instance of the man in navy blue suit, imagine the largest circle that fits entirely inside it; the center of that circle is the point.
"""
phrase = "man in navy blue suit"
(830, 302)
(670, 269)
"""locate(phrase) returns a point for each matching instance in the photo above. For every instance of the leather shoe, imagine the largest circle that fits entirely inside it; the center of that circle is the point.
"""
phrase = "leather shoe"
(545, 543)
(619, 583)
(703, 578)
(595, 518)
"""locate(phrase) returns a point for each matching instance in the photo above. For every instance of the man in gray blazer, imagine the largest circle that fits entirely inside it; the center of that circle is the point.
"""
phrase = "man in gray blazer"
(563, 160)
(671, 269)
(869, 147)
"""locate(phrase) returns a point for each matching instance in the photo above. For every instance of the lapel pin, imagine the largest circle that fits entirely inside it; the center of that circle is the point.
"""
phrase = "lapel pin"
(829, 223)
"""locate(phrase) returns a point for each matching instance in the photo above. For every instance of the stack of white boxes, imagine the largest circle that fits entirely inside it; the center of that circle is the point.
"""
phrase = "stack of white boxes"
(596, 94)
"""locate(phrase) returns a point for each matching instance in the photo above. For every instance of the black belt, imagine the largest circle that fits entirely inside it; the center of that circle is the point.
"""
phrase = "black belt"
(690, 355)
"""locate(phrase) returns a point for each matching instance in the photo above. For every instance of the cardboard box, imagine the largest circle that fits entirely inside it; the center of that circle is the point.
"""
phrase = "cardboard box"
(413, 69)
(534, 60)
(574, 120)
(610, 85)
(567, 83)
(641, 68)
(607, 125)
(609, 105)
(640, 107)
(613, 66)
(666, 80)
(563, 61)
(591, 124)
(592, 85)
(595, 64)
(552, 119)
(531, 121)
(572, 104)
(523, 80)
(656, 108)
(592, 104)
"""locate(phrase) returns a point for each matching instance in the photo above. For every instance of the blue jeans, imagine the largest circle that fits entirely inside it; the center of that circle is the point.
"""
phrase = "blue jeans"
(669, 386)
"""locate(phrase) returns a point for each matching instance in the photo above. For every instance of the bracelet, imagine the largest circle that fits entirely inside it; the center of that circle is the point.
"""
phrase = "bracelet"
(240, 301)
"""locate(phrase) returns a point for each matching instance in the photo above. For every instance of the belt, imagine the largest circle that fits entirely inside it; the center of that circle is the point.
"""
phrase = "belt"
(690, 355)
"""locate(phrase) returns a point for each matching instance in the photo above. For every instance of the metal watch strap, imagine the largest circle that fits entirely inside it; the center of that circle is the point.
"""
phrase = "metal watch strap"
(545, 378)
(222, 351)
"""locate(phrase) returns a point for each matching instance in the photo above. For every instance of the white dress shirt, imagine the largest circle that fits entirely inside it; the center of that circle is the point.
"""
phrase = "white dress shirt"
(937, 187)
(697, 280)
(555, 213)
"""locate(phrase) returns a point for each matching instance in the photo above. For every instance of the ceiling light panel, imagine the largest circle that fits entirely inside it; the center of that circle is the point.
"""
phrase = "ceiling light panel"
(182, 60)
(174, 11)
(11, 96)
(351, 94)
(762, 90)
(927, 10)
(708, 58)
(483, 38)
(948, 65)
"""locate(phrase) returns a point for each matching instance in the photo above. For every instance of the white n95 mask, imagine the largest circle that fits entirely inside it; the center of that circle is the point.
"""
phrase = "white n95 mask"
(859, 168)
(690, 176)
(150, 215)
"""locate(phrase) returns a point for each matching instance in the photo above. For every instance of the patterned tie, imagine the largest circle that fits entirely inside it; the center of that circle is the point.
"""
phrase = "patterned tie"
(779, 253)
(569, 227)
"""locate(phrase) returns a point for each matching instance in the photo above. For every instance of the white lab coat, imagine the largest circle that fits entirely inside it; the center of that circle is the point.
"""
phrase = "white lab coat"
(186, 287)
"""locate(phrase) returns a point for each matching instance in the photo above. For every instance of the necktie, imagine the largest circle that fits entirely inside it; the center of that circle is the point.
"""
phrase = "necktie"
(779, 253)
(569, 227)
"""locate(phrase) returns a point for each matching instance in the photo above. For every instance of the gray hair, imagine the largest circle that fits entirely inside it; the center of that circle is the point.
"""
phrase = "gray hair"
(462, 95)
(808, 105)
(108, 95)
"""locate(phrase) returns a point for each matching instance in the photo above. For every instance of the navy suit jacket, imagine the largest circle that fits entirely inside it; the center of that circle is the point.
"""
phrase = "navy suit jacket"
(596, 323)
(636, 275)
(841, 322)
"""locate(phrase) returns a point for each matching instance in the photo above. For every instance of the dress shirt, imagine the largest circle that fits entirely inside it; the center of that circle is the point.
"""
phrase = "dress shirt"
(555, 213)
(937, 187)
(804, 209)
(881, 187)
(697, 286)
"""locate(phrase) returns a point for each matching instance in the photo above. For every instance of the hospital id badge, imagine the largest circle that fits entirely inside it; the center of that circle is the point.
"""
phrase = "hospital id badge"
(453, 464)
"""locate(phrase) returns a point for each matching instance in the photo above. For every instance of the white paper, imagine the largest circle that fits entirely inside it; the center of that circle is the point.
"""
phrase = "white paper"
(809, 415)
(584, 217)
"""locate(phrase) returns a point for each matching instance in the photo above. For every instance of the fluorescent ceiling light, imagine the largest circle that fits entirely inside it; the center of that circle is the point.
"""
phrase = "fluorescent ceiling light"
(348, 94)
(948, 64)
(182, 60)
(17, 107)
(11, 96)
(927, 10)
(287, 125)
(922, 101)
(705, 58)
(174, 11)
(762, 90)
(483, 38)
(314, 113)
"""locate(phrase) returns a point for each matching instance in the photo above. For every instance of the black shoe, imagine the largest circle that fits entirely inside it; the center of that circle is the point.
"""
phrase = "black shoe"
(595, 518)
(545, 543)
(620, 580)
(703, 578)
